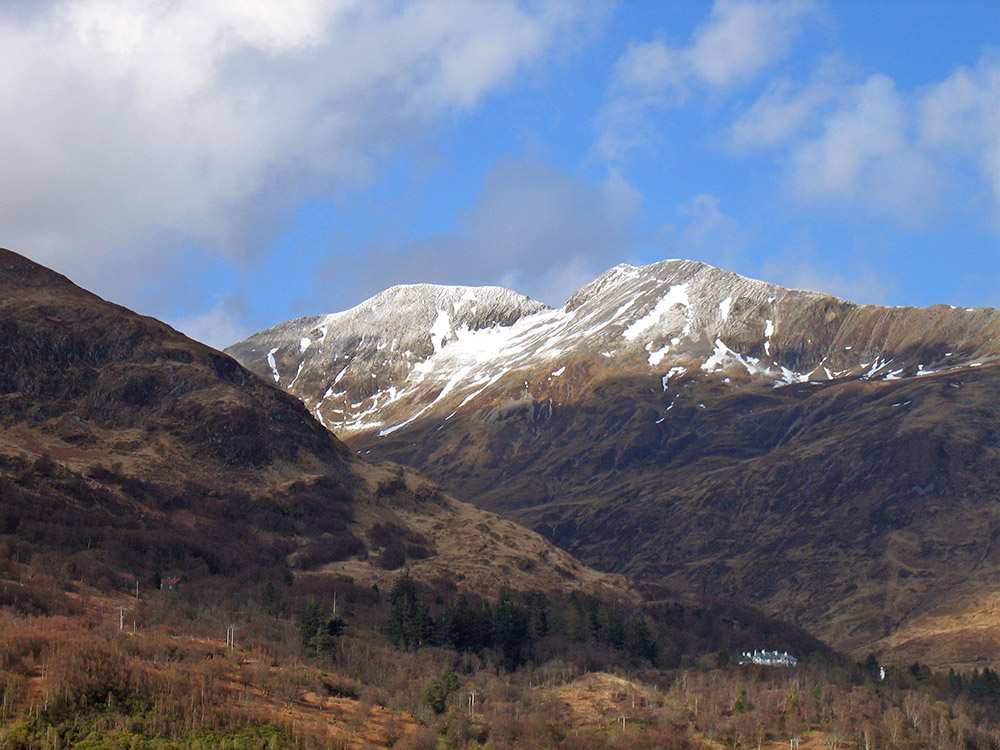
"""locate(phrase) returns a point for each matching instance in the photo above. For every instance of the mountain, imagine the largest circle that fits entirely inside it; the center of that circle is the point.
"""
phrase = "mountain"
(128, 450)
(148, 480)
(832, 463)
(421, 351)
(349, 365)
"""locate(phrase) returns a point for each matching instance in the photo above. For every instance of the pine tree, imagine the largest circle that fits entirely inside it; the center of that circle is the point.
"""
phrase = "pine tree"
(438, 691)
(318, 631)
(410, 623)
(310, 622)
(510, 630)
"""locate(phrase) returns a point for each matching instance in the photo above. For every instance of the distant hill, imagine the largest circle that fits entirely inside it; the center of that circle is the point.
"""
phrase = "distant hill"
(832, 463)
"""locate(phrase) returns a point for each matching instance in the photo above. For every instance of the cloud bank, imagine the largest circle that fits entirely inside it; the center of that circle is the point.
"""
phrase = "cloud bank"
(531, 228)
(861, 142)
(133, 129)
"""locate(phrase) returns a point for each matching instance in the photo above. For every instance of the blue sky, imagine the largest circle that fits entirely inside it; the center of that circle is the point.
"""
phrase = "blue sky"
(224, 167)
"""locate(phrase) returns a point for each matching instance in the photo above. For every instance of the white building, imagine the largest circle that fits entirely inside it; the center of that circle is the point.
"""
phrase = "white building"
(769, 658)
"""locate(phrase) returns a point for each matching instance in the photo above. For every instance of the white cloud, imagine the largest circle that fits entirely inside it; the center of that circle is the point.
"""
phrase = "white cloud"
(132, 128)
(743, 37)
(739, 40)
(864, 153)
(961, 116)
(866, 144)
(785, 108)
(219, 326)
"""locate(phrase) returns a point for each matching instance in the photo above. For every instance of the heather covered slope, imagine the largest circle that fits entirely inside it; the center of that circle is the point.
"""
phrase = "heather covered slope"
(856, 509)
(830, 462)
(127, 450)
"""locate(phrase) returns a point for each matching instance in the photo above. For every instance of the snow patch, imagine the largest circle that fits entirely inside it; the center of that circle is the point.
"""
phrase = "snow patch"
(724, 308)
(676, 295)
(440, 330)
(297, 373)
(656, 357)
(723, 354)
(671, 373)
(273, 364)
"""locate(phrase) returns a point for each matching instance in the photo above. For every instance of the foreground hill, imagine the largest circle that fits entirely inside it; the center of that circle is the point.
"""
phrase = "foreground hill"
(830, 462)
(128, 451)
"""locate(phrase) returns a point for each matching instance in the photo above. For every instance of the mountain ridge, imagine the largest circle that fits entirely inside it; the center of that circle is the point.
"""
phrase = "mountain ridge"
(681, 316)
(667, 409)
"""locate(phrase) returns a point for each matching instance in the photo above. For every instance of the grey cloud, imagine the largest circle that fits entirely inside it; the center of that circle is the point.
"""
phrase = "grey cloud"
(532, 229)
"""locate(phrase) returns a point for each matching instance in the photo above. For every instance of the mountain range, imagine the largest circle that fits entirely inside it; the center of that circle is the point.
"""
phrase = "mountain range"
(693, 429)
(129, 452)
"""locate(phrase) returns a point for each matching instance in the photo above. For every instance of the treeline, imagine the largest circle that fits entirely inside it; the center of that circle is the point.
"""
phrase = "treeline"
(516, 624)
(980, 688)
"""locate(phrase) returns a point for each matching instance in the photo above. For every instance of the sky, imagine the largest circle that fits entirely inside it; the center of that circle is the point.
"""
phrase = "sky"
(228, 164)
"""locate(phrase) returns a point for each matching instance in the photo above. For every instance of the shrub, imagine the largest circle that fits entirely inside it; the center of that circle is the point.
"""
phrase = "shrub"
(437, 691)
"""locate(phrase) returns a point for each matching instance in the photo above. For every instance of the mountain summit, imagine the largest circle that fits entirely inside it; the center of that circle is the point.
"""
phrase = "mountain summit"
(427, 352)
(349, 365)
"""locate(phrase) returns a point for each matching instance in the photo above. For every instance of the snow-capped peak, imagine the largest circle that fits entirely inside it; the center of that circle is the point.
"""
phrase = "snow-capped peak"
(414, 350)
